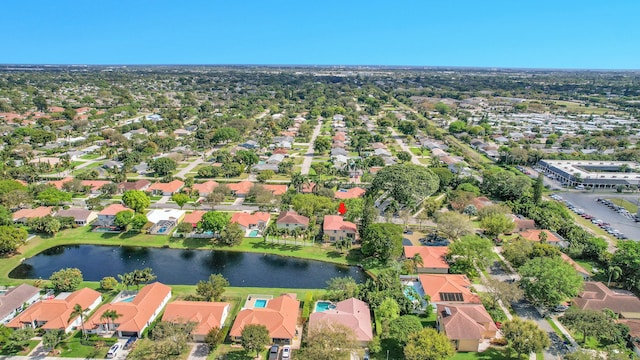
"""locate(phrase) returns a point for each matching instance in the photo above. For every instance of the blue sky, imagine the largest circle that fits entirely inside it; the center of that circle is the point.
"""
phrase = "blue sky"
(487, 33)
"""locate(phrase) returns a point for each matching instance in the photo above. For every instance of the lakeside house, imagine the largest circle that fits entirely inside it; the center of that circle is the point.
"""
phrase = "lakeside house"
(24, 215)
(433, 258)
(81, 217)
(16, 299)
(135, 315)
(207, 315)
(279, 315)
(107, 216)
(352, 313)
(292, 220)
(55, 314)
(336, 228)
(255, 221)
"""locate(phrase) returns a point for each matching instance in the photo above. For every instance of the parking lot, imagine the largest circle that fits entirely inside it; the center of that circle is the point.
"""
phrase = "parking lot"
(624, 224)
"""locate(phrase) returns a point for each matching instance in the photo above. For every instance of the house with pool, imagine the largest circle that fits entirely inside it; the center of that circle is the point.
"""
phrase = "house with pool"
(55, 314)
(279, 315)
(252, 224)
(136, 311)
(292, 220)
(440, 288)
(163, 220)
(207, 315)
(352, 313)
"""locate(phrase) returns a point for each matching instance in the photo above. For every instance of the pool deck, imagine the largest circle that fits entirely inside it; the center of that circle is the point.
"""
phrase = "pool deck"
(250, 303)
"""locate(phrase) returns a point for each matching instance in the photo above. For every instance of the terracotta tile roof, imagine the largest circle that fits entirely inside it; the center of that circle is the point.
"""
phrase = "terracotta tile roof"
(279, 316)
(481, 201)
(277, 190)
(56, 109)
(171, 187)
(207, 315)
(432, 256)
(95, 184)
(58, 183)
(113, 209)
(194, 217)
(280, 151)
(134, 185)
(134, 315)
(534, 235)
(15, 298)
(336, 222)
(56, 312)
(352, 313)
(247, 220)
(292, 217)
(205, 188)
(597, 296)
(352, 193)
(38, 212)
(438, 285)
(522, 223)
(76, 213)
(241, 188)
(465, 321)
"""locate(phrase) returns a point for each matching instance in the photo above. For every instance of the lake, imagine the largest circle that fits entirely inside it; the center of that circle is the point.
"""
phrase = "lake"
(176, 266)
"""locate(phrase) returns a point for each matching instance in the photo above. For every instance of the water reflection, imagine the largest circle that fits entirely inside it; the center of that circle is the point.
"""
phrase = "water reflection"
(178, 266)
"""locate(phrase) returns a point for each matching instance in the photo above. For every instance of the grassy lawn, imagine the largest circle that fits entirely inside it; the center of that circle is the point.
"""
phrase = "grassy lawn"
(72, 348)
(489, 354)
(236, 352)
(84, 235)
(428, 320)
(415, 151)
(76, 163)
(631, 207)
(90, 156)
(10, 351)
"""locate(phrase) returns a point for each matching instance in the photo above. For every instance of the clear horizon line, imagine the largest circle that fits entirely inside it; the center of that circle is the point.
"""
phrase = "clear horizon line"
(351, 66)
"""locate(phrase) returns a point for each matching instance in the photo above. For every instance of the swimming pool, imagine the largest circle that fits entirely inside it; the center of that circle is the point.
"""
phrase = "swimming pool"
(254, 233)
(129, 299)
(260, 303)
(324, 306)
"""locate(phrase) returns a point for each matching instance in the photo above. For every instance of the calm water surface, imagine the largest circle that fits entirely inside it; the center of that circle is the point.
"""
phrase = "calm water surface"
(175, 266)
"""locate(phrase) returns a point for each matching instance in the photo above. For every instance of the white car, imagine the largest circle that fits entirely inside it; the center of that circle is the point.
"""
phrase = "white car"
(113, 350)
(286, 352)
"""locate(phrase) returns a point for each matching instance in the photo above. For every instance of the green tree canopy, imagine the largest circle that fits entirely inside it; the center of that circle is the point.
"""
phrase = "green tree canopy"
(549, 281)
(329, 341)
(255, 337)
(524, 336)
(213, 288)
(382, 241)
(163, 166)
(428, 344)
(136, 200)
(68, 279)
(405, 183)
(11, 239)
(214, 221)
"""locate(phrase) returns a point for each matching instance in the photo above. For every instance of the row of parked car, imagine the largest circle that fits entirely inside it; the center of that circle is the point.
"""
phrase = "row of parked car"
(603, 225)
(619, 209)
(274, 352)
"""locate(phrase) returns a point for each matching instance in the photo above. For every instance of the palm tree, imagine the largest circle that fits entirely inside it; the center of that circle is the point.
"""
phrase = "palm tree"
(614, 272)
(416, 261)
(79, 311)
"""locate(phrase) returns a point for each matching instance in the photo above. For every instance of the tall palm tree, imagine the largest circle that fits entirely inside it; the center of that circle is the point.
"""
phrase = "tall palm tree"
(79, 311)
(416, 261)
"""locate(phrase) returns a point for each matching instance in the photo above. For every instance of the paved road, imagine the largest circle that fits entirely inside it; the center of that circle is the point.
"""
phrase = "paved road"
(66, 173)
(308, 157)
(404, 146)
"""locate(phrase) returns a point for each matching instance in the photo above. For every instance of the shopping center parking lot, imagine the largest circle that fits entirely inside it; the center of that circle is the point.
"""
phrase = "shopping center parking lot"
(588, 202)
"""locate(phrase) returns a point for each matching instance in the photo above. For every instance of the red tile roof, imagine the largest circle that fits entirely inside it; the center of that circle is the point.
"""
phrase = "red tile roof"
(336, 222)
(436, 284)
(113, 209)
(134, 315)
(207, 315)
(279, 316)
(247, 220)
(465, 321)
(58, 183)
(597, 296)
(352, 313)
(534, 235)
(38, 212)
(135, 185)
(432, 256)
(241, 188)
(95, 184)
(205, 188)
(292, 217)
(170, 187)
(194, 217)
(277, 190)
(56, 312)
(352, 193)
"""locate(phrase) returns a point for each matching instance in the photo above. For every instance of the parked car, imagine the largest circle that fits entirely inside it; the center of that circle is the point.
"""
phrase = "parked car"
(286, 352)
(273, 352)
(560, 308)
(113, 350)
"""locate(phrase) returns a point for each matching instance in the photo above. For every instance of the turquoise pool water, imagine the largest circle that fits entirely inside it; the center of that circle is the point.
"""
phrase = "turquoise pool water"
(129, 299)
(260, 303)
(253, 233)
(324, 306)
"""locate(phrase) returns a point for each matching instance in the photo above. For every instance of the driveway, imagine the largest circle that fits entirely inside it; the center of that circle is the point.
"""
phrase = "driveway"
(404, 147)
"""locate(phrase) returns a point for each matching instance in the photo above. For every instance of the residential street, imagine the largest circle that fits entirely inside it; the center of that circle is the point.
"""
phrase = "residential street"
(308, 157)
(404, 146)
